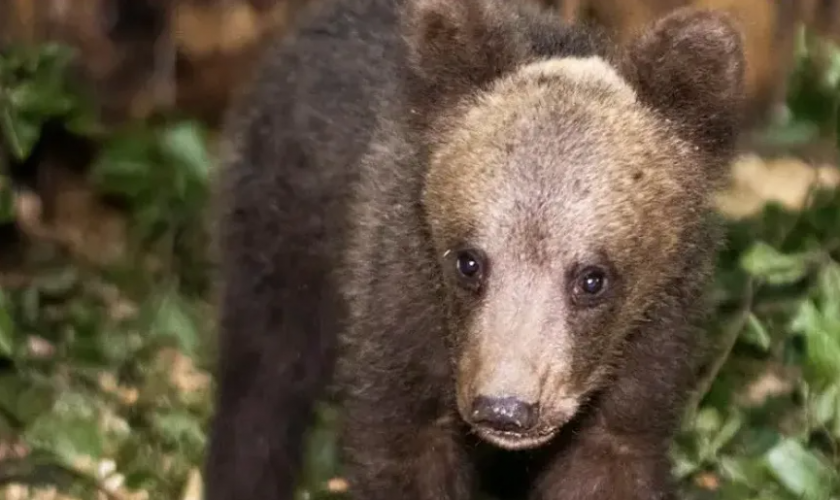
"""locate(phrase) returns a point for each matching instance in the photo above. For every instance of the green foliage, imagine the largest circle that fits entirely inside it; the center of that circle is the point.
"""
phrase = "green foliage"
(108, 389)
(784, 444)
(33, 89)
(100, 365)
(110, 365)
(812, 95)
(162, 173)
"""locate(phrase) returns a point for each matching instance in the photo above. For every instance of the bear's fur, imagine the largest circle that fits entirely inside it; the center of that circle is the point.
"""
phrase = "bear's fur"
(387, 145)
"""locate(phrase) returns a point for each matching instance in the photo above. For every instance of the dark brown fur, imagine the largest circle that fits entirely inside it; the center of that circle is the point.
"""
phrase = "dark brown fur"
(370, 149)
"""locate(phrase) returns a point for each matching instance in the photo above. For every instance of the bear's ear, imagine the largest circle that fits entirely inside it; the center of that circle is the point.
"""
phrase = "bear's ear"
(457, 46)
(689, 65)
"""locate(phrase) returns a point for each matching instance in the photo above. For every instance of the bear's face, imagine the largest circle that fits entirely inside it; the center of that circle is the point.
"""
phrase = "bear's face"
(561, 194)
(558, 207)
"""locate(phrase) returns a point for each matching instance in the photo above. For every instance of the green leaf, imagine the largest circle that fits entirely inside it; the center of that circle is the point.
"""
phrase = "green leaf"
(765, 262)
(825, 407)
(744, 470)
(708, 421)
(117, 347)
(730, 427)
(40, 99)
(755, 333)
(126, 166)
(172, 318)
(322, 457)
(70, 430)
(179, 428)
(684, 465)
(801, 472)
(184, 144)
(757, 439)
(823, 356)
(7, 327)
(807, 318)
(20, 134)
(25, 400)
(822, 344)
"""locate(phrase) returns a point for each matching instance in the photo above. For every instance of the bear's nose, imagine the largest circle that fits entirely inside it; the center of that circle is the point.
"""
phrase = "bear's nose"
(506, 414)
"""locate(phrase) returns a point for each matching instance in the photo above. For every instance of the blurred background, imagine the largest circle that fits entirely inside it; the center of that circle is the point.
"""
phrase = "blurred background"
(109, 116)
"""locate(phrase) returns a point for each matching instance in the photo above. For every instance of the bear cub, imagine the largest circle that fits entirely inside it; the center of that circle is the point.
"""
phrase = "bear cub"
(486, 233)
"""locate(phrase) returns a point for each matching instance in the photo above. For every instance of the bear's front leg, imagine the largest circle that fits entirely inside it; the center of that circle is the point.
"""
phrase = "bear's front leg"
(393, 456)
(602, 465)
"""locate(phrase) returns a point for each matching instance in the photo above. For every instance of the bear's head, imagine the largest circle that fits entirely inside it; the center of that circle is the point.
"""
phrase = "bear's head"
(566, 183)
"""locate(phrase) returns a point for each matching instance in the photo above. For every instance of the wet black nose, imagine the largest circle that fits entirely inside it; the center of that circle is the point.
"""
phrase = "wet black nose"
(506, 414)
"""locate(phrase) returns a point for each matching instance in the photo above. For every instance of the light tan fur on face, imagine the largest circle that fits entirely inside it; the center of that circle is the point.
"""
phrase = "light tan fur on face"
(536, 206)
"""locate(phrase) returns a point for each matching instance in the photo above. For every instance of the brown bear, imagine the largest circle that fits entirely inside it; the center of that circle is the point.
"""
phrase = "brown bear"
(488, 231)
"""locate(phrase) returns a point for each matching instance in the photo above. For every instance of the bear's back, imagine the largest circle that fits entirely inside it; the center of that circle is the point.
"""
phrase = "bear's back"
(317, 93)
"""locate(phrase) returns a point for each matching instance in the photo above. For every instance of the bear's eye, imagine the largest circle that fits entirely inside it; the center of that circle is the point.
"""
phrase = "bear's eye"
(469, 265)
(590, 284)
(593, 282)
